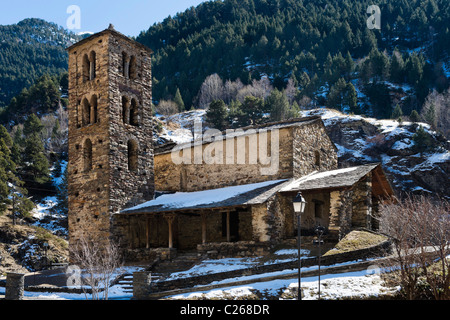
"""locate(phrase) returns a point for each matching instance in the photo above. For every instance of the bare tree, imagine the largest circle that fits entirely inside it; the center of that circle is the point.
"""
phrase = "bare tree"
(420, 228)
(211, 89)
(436, 111)
(258, 89)
(98, 265)
(167, 107)
(231, 89)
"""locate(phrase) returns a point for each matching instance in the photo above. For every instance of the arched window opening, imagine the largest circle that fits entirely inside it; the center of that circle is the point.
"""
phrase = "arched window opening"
(86, 112)
(125, 65)
(87, 156)
(317, 158)
(94, 109)
(125, 110)
(134, 114)
(132, 71)
(132, 155)
(92, 65)
(86, 68)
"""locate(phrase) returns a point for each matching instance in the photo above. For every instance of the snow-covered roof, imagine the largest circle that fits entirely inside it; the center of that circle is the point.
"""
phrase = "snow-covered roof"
(334, 179)
(233, 196)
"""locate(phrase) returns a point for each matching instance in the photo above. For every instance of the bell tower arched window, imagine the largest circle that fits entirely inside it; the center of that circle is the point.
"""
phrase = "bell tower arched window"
(125, 110)
(125, 65)
(94, 109)
(134, 113)
(132, 72)
(86, 68)
(92, 65)
(86, 112)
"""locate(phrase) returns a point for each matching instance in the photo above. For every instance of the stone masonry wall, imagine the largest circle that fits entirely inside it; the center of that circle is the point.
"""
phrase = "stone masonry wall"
(88, 190)
(107, 185)
(221, 173)
(313, 150)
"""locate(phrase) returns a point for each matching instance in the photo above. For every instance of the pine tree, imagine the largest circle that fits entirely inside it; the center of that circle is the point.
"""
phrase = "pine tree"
(351, 99)
(253, 110)
(217, 114)
(278, 105)
(414, 116)
(422, 140)
(36, 166)
(179, 101)
(397, 113)
(12, 193)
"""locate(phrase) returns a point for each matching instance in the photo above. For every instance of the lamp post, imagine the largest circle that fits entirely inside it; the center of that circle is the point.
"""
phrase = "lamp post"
(319, 230)
(299, 208)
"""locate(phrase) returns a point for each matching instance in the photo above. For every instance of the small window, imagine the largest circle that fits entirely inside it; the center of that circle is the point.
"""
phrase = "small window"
(125, 65)
(94, 109)
(92, 65)
(133, 151)
(134, 114)
(317, 158)
(86, 112)
(86, 68)
(132, 71)
(87, 156)
(125, 110)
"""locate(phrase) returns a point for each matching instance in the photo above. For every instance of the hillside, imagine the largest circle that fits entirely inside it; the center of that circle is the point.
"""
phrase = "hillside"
(28, 50)
(362, 140)
(314, 43)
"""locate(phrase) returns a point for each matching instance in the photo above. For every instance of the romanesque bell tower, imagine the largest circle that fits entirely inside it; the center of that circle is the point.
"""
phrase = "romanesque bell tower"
(110, 132)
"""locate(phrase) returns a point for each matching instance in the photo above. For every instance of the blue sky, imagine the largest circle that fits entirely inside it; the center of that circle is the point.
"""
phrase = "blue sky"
(129, 17)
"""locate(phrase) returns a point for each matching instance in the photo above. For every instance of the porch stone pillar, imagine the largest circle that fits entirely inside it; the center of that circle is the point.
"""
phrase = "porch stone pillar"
(204, 216)
(170, 219)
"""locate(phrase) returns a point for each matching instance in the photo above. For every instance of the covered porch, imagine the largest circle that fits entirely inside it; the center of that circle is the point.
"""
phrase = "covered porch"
(188, 221)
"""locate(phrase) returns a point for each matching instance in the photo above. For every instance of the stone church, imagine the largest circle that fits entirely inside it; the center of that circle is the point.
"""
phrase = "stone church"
(125, 189)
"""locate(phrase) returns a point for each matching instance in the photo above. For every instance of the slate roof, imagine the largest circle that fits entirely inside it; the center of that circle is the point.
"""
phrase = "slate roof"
(336, 179)
(235, 196)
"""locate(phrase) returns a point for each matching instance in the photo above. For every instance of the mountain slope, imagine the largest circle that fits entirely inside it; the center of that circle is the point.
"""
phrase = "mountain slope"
(286, 38)
(28, 50)
(362, 140)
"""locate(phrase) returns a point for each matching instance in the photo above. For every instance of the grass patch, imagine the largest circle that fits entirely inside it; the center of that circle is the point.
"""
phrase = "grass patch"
(357, 240)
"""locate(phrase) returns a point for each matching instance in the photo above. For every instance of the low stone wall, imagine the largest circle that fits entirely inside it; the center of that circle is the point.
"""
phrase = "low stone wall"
(150, 255)
(219, 250)
(187, 282)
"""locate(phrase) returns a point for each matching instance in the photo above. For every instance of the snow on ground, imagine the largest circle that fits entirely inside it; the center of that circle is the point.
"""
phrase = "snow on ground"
(183, 123)
(359, 284)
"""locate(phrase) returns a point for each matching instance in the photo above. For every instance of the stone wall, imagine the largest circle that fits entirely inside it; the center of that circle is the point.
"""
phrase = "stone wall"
(340, 213)
(241, 165)
(362, 203)
(312, 150)
(220, 250)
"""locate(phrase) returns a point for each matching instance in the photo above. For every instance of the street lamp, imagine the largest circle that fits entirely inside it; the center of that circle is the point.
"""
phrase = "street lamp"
(299, 208)
(319, 231)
